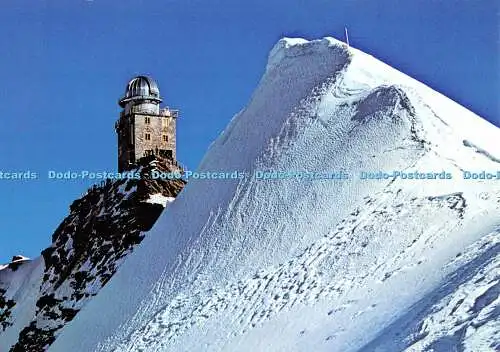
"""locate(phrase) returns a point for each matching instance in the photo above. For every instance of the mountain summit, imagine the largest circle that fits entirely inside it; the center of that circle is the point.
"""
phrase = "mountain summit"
(396, 251)
(324, 265)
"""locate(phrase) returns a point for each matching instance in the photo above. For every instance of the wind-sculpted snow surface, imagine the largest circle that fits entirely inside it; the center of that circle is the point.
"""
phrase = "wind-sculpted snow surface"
(322, 265)
(461, 314)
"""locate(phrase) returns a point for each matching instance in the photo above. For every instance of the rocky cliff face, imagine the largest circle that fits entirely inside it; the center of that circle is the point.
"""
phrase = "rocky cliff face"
(88, 246)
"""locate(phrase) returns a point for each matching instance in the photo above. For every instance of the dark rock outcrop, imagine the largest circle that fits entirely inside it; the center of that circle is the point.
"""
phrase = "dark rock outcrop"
(102, 228)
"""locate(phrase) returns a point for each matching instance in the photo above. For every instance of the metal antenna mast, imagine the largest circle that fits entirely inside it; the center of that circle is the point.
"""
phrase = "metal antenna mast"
(346, 36)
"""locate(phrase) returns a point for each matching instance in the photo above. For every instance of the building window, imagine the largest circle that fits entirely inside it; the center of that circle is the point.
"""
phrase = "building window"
(165, 138)
(164, 122)
(147, 120)
(147, 136)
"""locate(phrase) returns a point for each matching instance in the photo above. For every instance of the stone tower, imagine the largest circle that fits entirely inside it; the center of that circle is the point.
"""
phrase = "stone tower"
(144, 129)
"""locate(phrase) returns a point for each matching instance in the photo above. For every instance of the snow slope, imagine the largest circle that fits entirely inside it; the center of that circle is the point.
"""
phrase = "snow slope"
(21, 286)
(323, 265)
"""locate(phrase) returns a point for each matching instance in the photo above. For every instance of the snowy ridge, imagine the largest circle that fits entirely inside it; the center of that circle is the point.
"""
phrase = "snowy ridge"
(326, 265)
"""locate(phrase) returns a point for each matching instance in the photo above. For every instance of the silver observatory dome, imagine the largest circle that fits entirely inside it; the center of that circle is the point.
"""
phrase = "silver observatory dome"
(141, 89)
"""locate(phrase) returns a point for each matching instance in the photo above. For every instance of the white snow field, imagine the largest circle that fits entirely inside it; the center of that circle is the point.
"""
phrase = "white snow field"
(320, 265)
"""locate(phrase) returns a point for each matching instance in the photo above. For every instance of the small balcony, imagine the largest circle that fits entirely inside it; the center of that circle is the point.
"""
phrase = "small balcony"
(140, 109)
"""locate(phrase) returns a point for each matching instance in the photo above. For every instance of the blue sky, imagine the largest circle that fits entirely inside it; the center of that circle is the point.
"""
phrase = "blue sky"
(64, 64)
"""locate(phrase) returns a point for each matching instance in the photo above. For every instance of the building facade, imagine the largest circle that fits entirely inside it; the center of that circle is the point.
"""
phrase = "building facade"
(144, 129)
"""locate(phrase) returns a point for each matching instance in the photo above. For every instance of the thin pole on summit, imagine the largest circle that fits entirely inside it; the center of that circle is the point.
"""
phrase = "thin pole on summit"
(346, 36)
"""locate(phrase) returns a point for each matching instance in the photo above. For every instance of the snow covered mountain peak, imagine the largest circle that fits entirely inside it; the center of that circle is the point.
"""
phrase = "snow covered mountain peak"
(289, 48)
(289, 264)
(388, 237)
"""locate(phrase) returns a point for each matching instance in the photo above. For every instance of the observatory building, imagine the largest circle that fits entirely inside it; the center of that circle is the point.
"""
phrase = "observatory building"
(144, 129)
